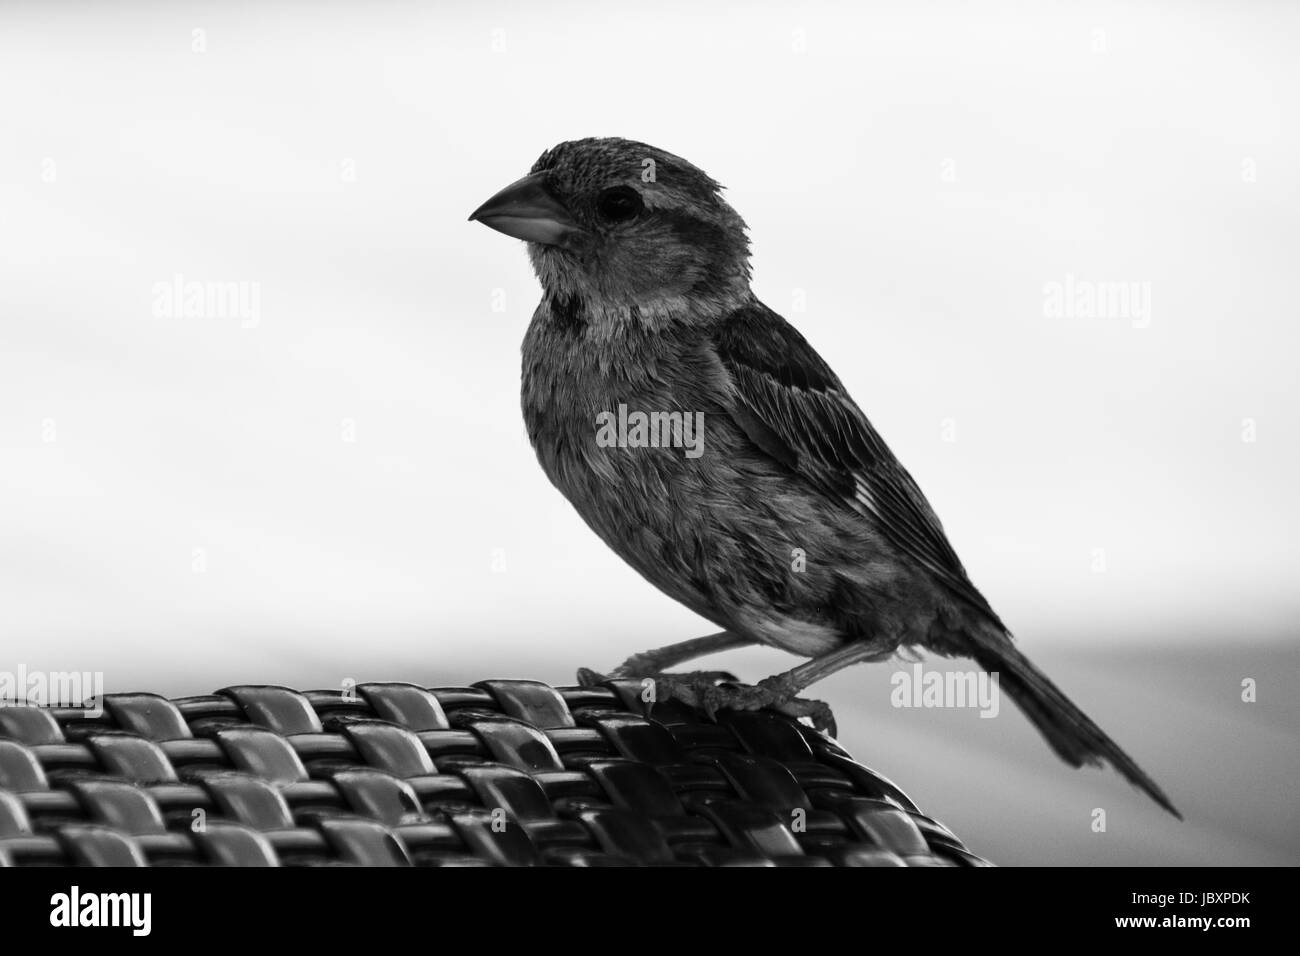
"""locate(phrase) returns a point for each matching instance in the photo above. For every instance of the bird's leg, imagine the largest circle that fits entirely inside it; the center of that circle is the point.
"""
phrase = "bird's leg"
(819, 668)
(651, 663)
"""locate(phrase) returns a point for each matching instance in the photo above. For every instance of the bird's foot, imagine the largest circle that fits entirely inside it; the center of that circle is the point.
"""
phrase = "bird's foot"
(691, 688)
(638, 665)
(712, 691)
(776, 693)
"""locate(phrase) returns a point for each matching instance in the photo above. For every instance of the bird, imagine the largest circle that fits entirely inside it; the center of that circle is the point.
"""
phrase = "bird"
(793, 525)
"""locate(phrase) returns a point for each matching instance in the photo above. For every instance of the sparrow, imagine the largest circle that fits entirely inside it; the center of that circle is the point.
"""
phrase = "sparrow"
(793, 526)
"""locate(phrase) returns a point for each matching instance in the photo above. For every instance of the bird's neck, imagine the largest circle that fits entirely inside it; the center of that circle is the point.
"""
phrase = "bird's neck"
(602, 316)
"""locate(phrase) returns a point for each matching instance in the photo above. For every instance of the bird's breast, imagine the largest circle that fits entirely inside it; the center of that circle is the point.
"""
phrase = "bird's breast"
(638, 431)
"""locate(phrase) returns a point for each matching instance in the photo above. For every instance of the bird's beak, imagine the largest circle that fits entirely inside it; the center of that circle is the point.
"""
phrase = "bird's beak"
(527, 210)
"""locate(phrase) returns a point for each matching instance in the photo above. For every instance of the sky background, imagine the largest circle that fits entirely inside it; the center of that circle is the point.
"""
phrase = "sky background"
(337, 484)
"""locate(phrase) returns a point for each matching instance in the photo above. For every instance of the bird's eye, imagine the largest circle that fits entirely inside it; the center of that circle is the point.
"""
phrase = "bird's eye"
(619, 203)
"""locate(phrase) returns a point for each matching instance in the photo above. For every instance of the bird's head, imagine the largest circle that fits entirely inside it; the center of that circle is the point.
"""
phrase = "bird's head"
(622, 224)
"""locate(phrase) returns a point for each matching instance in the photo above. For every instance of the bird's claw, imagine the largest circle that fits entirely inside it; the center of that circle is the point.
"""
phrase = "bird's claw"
(638, 665)
(713, 691)
(781, 693)
(817, 711)
(696, 689)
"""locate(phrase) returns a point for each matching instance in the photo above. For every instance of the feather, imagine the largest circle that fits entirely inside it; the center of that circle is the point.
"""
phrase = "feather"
(793, 407)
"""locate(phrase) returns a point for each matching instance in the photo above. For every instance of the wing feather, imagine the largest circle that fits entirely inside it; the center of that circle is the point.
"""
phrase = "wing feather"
(794, 409)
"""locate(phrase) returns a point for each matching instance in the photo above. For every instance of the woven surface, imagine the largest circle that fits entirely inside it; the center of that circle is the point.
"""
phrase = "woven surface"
(512, 773)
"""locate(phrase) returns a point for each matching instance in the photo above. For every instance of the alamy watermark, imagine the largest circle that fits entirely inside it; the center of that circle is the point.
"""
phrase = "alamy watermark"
(947, 689)
(83, 690)
(133, 911)
(624, 429)
(1085, 299)
(193, 299)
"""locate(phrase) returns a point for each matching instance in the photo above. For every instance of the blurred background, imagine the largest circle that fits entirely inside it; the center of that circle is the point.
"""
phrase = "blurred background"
(313, 468)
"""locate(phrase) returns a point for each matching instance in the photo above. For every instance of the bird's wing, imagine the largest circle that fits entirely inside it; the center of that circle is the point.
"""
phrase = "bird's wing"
(794, 408)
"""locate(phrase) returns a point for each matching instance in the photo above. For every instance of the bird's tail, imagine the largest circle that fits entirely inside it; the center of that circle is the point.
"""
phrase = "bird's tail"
(1069, 731)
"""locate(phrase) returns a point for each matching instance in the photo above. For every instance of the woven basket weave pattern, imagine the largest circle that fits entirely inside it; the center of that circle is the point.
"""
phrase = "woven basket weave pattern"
(507, 772)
